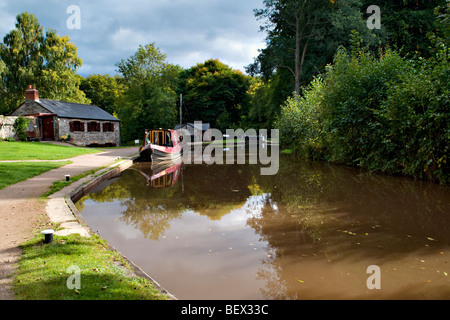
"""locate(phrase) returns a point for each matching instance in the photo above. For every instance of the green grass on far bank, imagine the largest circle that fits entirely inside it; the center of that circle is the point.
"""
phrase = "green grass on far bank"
(40, 151)
(14, 172)
(44, 272)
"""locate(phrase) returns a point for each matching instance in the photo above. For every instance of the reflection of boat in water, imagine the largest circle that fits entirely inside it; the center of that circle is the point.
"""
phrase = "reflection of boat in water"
(163, 174)
(160, 145)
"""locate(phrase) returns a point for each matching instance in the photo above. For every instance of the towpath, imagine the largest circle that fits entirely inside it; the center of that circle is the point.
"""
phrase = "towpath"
(22, 211)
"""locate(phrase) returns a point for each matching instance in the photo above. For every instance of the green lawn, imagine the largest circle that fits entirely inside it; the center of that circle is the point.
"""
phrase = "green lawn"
(13, 172)
(40, 151)
(54, 271)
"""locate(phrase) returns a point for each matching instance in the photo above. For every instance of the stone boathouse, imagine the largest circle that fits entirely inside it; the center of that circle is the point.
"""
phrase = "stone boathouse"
(86, 125)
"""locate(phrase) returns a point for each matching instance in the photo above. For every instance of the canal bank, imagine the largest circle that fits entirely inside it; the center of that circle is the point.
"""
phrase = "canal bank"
(23, 210)
(62, 209)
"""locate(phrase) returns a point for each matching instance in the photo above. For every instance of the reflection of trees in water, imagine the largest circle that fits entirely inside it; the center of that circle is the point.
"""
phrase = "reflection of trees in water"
(212, 191)
(334, 212)
(285, 238)
(306, 210)
(324, 198)
(150, 220)
(151, 213)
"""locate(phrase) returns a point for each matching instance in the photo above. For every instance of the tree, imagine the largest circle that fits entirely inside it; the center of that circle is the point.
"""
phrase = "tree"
(215, 93)
(149, 97)
(297, 19)
(48, 62)
(263, 107)
(59, 80)
(407, 22)
(3, 70)
(20, 53)
(103, 90)
(440, 37)
(302, 36)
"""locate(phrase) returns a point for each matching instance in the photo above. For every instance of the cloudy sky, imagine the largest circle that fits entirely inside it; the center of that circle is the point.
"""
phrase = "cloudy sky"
(187, 31)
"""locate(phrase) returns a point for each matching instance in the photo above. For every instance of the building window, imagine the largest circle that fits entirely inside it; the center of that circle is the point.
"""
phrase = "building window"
(76, 126)
(94, 126)
(108, 127)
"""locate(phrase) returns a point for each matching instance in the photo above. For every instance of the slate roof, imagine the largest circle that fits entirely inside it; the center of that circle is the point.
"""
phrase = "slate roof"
(192, 126)
(76, 110)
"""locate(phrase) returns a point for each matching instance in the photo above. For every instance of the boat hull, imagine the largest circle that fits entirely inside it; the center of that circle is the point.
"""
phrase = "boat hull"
(165, 155)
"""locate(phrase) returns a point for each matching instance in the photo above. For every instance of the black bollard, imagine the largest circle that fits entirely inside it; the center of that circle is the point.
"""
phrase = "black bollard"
(48, 235)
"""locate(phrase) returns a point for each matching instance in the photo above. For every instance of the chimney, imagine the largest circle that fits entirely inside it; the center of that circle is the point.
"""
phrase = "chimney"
(31, 93)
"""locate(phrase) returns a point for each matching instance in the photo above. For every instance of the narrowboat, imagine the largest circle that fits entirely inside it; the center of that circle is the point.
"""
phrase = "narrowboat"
(160, 145)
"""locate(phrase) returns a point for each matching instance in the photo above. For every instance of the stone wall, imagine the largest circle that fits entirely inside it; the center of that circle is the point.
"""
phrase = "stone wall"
(6, 127)
(86, 138)
(29, 108)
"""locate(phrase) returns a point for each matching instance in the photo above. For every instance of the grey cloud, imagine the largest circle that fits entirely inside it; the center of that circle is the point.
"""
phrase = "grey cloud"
(187, 31)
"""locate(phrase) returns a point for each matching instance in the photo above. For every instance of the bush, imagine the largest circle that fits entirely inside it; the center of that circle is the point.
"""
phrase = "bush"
(299, 121)
(352, 110)
(20, 126)
(386, 114)
(417, 109)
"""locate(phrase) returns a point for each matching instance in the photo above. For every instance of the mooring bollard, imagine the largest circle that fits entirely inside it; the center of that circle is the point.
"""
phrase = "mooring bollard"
(48, 235)
(67, 177)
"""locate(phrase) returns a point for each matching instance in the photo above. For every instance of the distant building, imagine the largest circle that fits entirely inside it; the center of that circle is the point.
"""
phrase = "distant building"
(87, 125)
(200, 128)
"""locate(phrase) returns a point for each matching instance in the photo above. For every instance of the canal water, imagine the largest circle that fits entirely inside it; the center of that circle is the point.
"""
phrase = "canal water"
(312, 231)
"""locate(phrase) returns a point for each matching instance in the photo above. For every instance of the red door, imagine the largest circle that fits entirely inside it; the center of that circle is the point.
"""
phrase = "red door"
(48, 128)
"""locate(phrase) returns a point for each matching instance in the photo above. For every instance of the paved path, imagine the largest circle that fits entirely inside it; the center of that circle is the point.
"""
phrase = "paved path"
(22, 212)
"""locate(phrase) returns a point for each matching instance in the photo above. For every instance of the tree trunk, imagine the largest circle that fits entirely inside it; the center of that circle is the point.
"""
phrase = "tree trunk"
(298, 63)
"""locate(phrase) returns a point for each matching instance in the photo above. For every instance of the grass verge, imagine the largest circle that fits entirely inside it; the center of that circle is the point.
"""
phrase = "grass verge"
(40, 151)
(14, 172)
(45, 271)
(61, 184)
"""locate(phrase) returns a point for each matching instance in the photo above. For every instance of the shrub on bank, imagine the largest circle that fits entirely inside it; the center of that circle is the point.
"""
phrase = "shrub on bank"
(387, 114)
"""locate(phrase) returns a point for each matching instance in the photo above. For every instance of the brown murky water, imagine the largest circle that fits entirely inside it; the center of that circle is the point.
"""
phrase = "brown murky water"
(309, 232)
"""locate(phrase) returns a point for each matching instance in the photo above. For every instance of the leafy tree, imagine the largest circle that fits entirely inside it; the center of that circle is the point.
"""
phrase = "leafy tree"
(302, 36)
(263, 107)
(149, 97)
(59, 80)
(49, 62)
(440, 37)
(406, 23)
(21, 54)
(103, 90)
(215, 93)
(3, 70)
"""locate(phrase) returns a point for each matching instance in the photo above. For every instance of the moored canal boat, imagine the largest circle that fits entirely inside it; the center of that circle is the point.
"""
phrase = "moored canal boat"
(160, 145)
